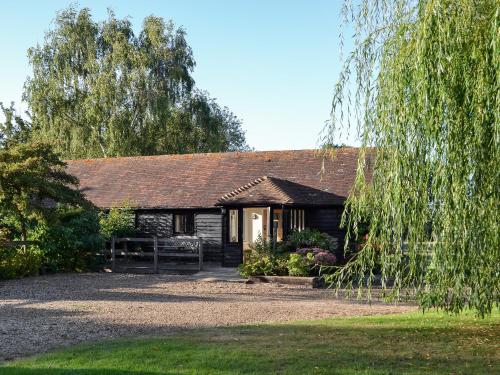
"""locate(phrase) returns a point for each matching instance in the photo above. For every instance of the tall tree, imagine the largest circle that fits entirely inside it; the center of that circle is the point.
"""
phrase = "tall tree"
(14, 129)
(99, 90)
(32, 179)
(426, 76)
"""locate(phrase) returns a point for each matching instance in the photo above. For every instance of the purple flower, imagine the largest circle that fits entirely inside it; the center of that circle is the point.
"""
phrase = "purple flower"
(307, 250)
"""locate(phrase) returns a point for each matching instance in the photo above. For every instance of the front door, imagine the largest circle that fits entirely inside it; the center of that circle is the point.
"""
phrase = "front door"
(255, 224)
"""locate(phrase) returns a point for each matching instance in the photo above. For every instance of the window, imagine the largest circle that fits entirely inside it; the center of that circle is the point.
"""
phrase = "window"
(278, 224)
(184, 224)
(233, 225)
(297, 220)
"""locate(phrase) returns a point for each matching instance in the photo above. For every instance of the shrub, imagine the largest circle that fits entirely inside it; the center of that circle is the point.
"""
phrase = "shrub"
(324, 258)
(310, 238)
(72, 242)
(299, 264)
(117, 222)
(19, 261)
(262, 260)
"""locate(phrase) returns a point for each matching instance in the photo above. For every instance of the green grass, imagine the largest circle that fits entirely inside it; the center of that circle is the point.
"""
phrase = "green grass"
(396, 344)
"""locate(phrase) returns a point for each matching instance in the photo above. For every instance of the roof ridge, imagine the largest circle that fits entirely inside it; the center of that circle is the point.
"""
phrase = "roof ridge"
(211, 154)
(198, 154)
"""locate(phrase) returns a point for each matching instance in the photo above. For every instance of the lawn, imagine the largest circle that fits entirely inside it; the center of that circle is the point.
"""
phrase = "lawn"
(393, 344)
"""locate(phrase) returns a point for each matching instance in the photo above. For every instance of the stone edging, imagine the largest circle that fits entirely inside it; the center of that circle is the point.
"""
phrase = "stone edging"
(313, 282)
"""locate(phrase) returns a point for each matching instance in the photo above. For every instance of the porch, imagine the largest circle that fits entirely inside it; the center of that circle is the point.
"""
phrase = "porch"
(268, 208)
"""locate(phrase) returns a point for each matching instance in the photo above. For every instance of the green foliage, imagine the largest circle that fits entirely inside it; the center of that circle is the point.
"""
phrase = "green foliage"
(426, 76)
(309, 260)
(19, 261)
(99, 90)
(117, 222)
(15, 129)
(261, 259)
(300, 265)
(32, 181)
(309, 238)
(39, 202)
(71, 242)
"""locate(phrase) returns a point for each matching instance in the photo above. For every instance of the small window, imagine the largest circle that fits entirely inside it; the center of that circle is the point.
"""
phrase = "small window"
(184, 224)
(233, 225)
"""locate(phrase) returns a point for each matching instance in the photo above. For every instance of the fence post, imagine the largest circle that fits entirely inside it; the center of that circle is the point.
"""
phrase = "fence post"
(113, 251)
(155, 265)
(200, 254)
(125, 251)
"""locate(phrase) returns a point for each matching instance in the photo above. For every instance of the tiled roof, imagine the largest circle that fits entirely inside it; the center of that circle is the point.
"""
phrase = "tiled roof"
(201, 180)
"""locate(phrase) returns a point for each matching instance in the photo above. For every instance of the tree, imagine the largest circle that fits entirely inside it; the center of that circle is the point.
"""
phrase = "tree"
(203, 126)
(15, 129)
(426, 77)
(32, 181)
(98, 90)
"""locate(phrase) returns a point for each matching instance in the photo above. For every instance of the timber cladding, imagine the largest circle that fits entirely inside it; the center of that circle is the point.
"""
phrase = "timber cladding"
(207, 226)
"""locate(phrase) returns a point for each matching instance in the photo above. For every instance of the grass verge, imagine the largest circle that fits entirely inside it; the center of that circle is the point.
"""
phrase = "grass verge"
(415, 343)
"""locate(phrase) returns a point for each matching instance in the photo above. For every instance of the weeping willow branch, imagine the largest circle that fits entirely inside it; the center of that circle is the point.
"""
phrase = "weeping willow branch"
(426, 105)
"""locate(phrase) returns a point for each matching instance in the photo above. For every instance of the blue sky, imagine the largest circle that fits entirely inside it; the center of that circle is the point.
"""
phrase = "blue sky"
(273, 63)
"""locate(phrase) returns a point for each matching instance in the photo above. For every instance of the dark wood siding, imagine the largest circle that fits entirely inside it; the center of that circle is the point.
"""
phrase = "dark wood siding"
(233, 251)
(208, 226)
(233, 255)
(154, 223)
(327, 220)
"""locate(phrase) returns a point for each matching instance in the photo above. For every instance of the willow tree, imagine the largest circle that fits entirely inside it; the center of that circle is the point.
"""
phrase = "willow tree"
(98, 89)
(421, 86)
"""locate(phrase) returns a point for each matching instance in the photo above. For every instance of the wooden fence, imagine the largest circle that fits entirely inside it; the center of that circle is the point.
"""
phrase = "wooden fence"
(174, 247)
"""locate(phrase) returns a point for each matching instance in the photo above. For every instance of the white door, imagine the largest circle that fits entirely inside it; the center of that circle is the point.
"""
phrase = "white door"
(256, 226)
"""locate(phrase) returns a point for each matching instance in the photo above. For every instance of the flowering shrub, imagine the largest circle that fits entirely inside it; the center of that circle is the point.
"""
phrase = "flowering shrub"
(324, 258)
(310, 258)
(310, 238)
(307, 250)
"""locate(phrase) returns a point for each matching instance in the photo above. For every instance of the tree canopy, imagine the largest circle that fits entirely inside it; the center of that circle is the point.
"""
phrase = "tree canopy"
(32, 180)
(425, 76)
(99, 90)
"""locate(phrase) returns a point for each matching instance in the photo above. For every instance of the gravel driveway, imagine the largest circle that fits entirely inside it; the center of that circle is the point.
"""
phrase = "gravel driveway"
(42, 313)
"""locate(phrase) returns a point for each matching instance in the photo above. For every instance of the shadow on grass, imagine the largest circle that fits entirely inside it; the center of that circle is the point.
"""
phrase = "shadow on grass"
(352, 347)
(84, 371)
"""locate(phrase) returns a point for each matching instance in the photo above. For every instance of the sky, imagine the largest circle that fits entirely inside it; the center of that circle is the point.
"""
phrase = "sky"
(273, 63)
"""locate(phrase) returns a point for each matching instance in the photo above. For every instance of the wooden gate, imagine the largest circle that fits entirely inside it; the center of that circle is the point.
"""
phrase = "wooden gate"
(129, 254)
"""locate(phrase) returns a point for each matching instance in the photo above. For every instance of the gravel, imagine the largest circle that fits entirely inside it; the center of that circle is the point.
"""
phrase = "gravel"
(42, 313)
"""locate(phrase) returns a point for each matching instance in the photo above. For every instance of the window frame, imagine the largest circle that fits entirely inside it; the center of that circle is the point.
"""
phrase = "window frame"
(189, 227)
(237, 211)
(297, 219)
